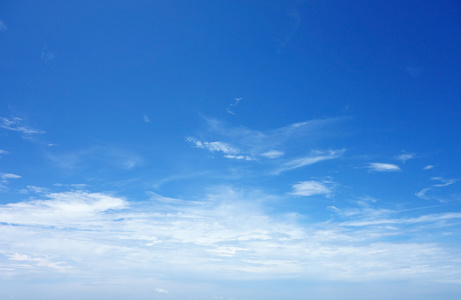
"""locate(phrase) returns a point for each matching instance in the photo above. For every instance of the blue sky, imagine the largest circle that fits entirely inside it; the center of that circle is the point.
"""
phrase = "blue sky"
(230, 150)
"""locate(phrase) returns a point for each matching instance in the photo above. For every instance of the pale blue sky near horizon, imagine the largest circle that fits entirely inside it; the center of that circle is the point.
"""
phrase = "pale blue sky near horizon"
(230, 149)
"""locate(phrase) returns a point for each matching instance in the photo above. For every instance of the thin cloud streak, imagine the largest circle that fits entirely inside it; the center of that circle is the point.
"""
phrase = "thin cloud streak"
(444, 183)
(228, 150)
(3, 26)
(17, 124)
(383, 167)
(314, 157)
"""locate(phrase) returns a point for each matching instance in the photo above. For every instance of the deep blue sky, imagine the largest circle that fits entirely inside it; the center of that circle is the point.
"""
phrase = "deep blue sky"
(230, 149)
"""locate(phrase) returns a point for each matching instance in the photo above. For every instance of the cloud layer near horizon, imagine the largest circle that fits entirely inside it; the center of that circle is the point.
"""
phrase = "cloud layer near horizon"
(228, 233)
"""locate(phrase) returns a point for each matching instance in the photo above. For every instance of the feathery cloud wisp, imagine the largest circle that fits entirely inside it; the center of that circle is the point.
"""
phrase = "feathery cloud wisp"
(17, 124)
(2, 26)
(228, 150)
(314, 157)
(272, 154)
(382, 167)
(444, 182)
(229, 108)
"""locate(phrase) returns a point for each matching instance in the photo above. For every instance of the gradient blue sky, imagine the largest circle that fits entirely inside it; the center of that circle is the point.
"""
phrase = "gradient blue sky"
(230, 150)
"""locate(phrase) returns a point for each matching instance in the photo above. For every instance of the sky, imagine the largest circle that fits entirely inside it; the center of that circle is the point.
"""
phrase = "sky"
(230, 149)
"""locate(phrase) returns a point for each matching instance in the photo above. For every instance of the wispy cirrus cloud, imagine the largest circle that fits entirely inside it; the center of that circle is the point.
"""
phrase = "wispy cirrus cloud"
(2, 26)
(423, 194)
(230, 107)
(428, 167)
(272, 154)
(17, 124)
(260, 142)
(314, 157)
(383, 167)
(97, 157)
(228, 150)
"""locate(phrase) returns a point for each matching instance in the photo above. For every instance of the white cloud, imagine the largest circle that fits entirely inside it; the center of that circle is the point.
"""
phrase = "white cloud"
(228, 150)
(312, 187)
(428, 167)
(244, 157)
(273, 154)
(314, 157)
(17, 124)
(228, 235)
(382, 167)
(2, 26)
(5, 177)
(406, 156)
(161, 291)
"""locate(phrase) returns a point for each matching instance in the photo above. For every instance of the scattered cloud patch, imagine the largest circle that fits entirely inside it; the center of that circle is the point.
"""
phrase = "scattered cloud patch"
(3, 152)
(272, 154)
(146, 119)
(414, 71)
(2, 26)
(382, 167)
(405, 156)
(6, 176)
(5, 179)
(428, 167)
(228, 150)
(17, 124)
(230, 107)
(312, 187)
(47, 56)
(161, 291)
(96, 157)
